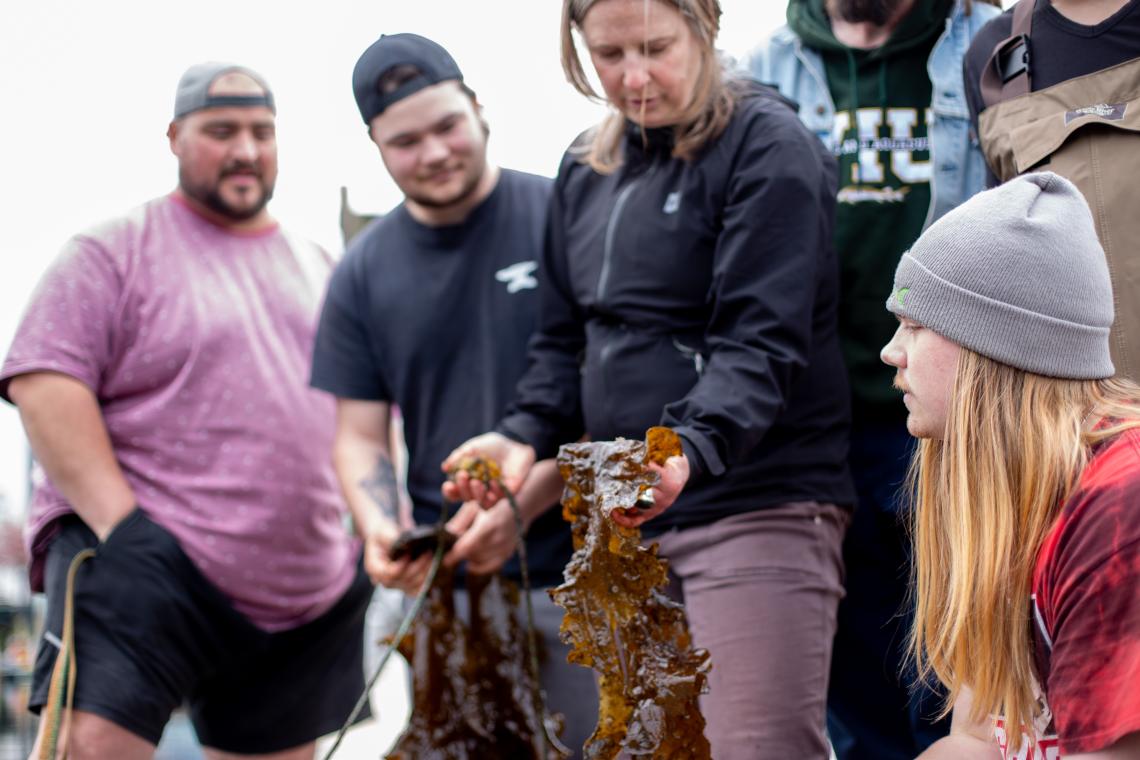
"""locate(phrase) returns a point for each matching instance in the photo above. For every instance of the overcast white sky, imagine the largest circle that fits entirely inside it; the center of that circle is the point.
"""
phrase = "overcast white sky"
(87, 89)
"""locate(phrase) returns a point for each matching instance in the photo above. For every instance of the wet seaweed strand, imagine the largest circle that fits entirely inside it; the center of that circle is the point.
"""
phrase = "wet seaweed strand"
(473, 694)
(473, 698)
(617, 619)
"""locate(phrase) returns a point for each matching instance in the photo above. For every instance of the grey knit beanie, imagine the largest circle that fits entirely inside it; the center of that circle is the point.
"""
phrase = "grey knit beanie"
(1016, 274)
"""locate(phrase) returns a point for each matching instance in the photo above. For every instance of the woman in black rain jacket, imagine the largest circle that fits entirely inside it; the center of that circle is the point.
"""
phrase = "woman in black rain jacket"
(689, 280)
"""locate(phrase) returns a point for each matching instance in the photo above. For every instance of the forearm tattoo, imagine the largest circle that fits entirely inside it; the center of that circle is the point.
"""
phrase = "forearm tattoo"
(380, 485)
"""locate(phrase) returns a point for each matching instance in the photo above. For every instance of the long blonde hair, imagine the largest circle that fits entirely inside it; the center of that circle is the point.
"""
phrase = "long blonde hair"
(702, 121)
(984, 499)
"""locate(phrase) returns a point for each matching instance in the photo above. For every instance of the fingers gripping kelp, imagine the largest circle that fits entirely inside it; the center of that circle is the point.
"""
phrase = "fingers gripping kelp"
(617, 619)
(476, 692)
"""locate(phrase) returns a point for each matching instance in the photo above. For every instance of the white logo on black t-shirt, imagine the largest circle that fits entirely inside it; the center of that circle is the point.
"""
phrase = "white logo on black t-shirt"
(518, 276)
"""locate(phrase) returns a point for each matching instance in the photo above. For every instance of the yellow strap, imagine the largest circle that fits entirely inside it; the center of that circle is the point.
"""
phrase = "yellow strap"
(58, 708)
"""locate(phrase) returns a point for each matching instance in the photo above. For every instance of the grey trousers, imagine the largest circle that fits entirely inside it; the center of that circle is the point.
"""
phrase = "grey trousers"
(761, 591)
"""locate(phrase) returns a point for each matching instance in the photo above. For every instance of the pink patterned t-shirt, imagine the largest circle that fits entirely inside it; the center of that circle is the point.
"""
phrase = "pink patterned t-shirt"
(197, 343)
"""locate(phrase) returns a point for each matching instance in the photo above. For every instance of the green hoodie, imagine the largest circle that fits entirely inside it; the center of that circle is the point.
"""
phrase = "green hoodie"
(882, 101)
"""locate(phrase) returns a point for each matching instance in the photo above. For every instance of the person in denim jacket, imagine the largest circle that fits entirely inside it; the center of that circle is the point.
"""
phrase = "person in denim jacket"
(880, 83)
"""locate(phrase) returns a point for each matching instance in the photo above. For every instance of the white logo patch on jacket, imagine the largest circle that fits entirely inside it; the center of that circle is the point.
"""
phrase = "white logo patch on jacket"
(518, 276)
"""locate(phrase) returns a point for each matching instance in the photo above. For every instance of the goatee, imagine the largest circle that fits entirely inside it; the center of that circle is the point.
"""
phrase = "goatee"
(209, 195)
(469, 187)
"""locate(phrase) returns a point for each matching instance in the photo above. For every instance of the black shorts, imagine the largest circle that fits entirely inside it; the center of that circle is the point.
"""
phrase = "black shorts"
(152, 633)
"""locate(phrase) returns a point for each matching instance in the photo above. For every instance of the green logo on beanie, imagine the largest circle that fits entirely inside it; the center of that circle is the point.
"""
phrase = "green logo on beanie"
(900, 295)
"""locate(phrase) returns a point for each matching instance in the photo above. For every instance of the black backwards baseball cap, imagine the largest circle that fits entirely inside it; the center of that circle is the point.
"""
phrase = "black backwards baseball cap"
(194, 89)
(433, 62)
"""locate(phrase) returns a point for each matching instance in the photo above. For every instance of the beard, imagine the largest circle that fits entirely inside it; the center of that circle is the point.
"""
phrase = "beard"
(877, 12)
(465, 190)
(210, 196)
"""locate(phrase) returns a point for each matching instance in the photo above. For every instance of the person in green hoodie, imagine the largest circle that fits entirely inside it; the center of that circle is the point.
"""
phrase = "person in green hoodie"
(880, 83)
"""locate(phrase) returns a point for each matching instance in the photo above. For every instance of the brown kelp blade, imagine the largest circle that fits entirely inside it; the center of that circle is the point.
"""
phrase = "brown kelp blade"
(473, 696)
(617, 619)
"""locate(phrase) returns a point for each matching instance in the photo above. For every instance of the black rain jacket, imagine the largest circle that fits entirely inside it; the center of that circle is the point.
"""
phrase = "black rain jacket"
(700, 295)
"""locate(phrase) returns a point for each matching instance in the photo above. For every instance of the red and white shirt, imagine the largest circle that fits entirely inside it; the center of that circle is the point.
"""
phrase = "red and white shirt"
(1086, 609)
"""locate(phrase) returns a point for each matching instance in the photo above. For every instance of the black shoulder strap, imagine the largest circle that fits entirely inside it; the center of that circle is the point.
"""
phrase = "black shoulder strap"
(1006, 74)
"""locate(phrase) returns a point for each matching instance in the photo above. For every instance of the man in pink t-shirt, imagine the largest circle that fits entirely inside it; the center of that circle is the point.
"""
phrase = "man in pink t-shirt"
(160, 372)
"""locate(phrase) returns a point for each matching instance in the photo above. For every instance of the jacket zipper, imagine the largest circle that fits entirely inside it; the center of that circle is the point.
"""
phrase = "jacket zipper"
(611, 230)
(603, 359)
(607, 255)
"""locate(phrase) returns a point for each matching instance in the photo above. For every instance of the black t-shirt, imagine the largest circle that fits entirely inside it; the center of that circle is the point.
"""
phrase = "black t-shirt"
(1059, 49)
(436, 320)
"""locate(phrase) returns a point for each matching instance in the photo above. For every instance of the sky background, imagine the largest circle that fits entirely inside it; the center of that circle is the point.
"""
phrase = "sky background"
(87, 92)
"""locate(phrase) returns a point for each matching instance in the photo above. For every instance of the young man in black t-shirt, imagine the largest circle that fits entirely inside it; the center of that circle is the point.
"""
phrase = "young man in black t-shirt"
(430, 310)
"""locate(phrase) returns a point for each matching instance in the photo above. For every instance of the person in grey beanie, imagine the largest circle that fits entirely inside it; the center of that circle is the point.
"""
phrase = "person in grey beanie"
(1025, 485)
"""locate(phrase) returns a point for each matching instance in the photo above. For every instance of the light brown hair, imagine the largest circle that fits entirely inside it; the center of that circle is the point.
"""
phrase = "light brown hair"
(703, 120)
(983, 500)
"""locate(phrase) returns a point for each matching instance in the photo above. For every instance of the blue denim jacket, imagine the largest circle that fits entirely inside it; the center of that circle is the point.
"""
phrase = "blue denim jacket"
(959, 168)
